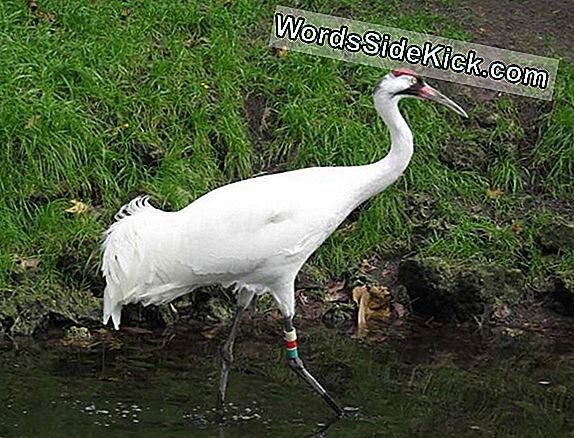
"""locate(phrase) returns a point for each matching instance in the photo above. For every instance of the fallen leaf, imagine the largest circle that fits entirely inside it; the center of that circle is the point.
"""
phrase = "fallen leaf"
(516, 227)
(334, 291)
(281, 52)
(348, 228)
(77, 207)
(26, 263)
(33, 5)
(335, 286)
(373, 302)
(192, 42)
(303, 298)
(379, 303)
(366, 266)
(126, 12)
(46, 16)
(267, 112)
(31, 122)
(494, 193)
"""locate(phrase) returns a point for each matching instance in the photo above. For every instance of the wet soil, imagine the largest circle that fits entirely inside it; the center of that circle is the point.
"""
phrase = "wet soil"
(530, 26)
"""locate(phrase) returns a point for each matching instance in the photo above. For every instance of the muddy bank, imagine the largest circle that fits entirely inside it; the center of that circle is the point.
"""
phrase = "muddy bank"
(25, 311)
(433, 287)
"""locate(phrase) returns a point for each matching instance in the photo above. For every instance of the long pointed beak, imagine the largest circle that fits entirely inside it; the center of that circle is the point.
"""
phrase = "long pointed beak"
(428, 92)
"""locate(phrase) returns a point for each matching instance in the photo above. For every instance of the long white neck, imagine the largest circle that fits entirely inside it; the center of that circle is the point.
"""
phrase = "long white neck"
(383, 173)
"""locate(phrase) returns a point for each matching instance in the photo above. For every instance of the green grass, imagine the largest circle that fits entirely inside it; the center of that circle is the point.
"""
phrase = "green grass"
(102, 101)
(554, 151)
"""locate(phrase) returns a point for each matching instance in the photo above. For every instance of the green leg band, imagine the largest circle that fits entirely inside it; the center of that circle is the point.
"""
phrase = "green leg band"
(293, 354)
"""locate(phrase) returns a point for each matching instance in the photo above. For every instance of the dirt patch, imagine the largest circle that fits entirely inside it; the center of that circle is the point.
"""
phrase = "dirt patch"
(261, 121)
(531, 26)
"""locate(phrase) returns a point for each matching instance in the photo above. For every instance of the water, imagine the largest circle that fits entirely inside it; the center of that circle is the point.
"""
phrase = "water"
(407, 381)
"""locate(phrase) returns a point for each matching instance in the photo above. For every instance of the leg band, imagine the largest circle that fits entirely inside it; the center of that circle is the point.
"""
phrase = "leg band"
(291, 344)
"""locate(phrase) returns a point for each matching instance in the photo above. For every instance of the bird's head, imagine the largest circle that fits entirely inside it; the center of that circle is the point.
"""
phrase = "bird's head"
(403, 82)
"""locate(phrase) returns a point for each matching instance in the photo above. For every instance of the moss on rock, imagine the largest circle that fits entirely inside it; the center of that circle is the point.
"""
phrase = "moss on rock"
(25, 310)
(457, 291)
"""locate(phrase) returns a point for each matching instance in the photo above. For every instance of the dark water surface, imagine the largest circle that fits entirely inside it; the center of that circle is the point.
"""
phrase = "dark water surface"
(415, 381)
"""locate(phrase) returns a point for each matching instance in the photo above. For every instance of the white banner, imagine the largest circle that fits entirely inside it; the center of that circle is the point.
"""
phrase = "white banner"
(432, 56)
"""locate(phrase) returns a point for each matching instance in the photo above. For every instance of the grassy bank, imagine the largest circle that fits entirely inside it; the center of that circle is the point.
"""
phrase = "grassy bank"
(101, 101)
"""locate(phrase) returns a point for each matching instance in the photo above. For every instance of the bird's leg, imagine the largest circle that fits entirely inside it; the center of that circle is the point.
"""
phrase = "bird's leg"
(296, 364)
(227, 359)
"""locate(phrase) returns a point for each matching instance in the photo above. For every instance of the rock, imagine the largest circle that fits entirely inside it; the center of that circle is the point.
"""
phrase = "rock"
(457, 291)
(556, 237)
(28, 309)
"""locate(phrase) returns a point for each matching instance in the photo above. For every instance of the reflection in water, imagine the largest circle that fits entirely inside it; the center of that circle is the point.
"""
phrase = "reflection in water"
(419, 382)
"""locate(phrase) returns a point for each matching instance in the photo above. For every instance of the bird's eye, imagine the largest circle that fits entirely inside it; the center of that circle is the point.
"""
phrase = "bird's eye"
(414, 81)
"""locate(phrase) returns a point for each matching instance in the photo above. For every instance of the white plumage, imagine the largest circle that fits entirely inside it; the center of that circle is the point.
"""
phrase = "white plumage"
(255, 234)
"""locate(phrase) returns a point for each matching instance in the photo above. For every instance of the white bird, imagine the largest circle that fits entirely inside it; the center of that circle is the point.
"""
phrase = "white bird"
(254, 234)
